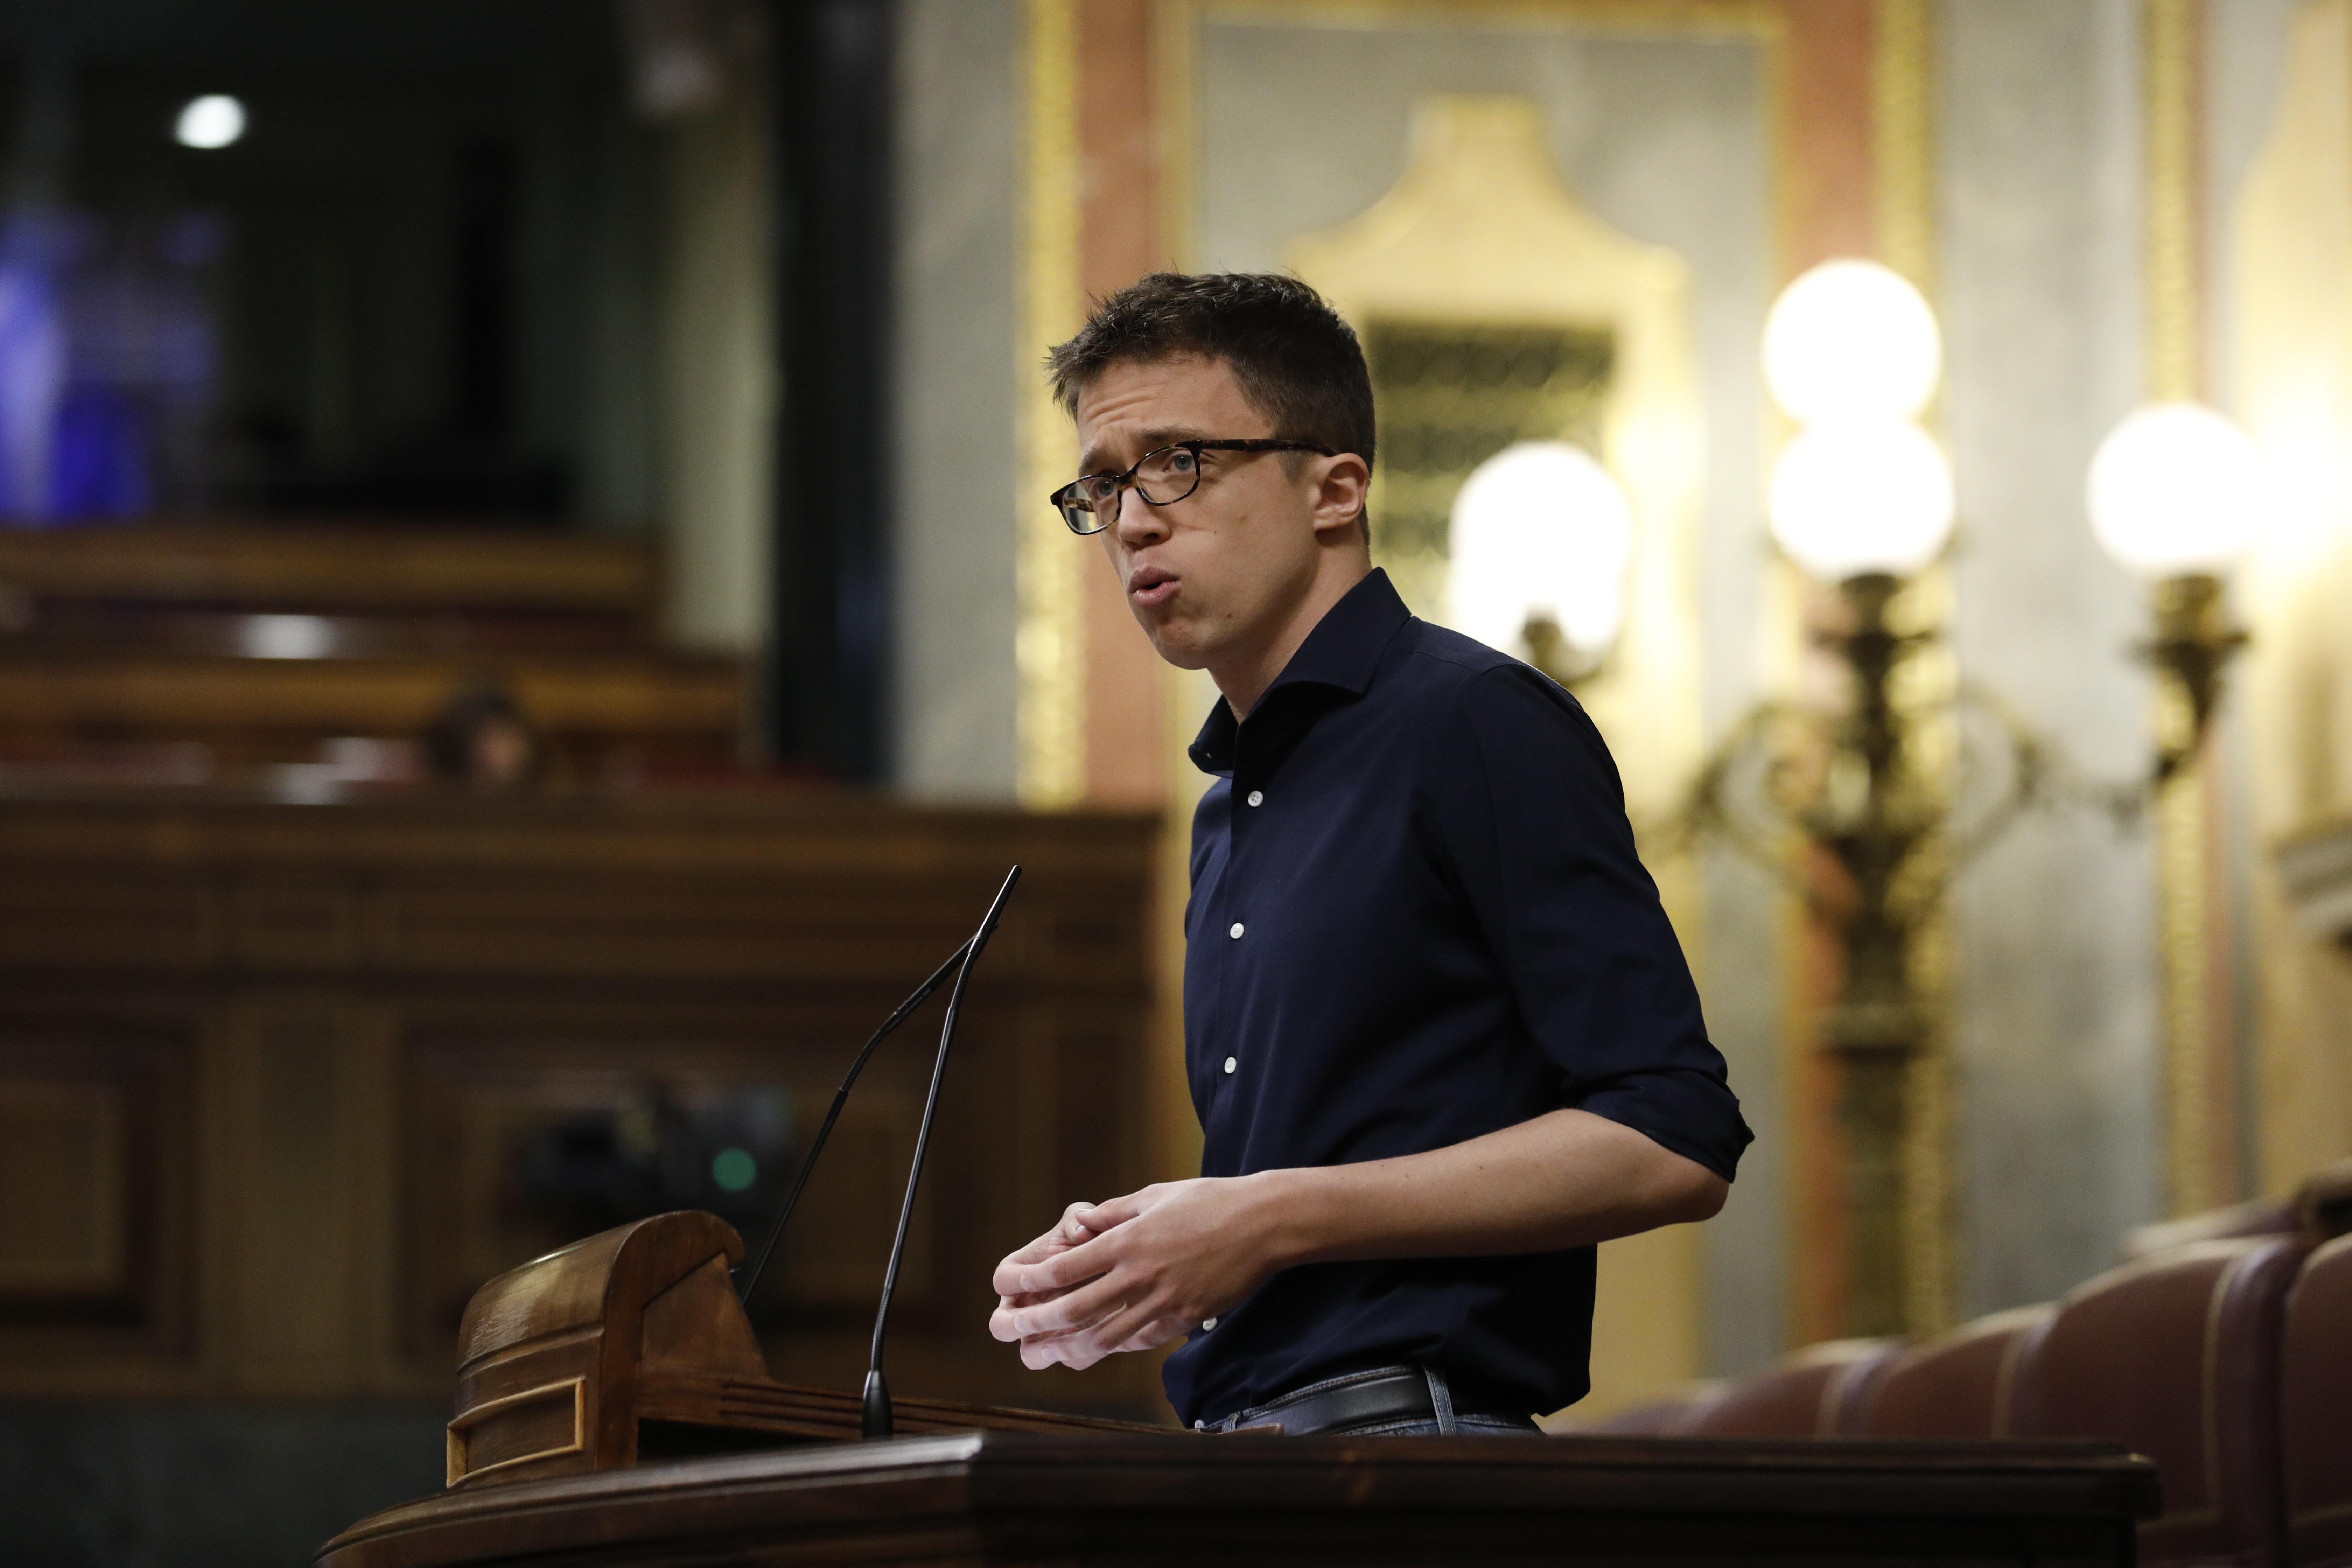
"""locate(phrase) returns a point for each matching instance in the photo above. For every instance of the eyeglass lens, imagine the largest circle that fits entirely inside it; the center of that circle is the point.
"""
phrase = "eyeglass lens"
(1162, 478)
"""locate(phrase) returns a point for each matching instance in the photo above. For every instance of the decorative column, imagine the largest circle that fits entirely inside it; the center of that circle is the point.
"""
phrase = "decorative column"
(2198, 1080)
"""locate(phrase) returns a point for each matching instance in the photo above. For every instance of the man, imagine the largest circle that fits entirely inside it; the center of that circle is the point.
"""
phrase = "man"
(1440, 1036)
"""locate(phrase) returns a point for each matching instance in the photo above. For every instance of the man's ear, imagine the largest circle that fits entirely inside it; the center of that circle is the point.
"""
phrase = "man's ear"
(1342, 486)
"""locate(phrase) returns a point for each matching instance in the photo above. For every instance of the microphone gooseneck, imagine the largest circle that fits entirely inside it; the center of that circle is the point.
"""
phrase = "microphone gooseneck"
(876, 1417)
(784, 1215)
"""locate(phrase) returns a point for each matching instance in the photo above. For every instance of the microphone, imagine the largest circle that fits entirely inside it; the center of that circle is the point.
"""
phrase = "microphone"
(752, 1272)
(877, 1420)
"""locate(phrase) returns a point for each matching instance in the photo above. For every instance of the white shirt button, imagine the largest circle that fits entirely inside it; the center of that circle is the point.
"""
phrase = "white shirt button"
(1232, 1062)
(1257, 797)
(1236, 932)
(1208, 1324)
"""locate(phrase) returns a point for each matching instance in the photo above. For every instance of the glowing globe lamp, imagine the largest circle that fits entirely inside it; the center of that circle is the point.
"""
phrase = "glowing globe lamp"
(210, 122)
(1541, 532)
(1851, 340)
(2173, 491)
(1862, 497)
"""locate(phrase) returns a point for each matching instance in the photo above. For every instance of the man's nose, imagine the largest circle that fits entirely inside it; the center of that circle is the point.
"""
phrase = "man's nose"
(1140, 522)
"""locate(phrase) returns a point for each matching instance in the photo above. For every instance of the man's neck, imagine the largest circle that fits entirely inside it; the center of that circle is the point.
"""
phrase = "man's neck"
(1245, 680)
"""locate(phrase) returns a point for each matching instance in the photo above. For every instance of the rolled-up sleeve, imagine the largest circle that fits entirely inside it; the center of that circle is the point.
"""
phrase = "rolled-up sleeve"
(1530, 812)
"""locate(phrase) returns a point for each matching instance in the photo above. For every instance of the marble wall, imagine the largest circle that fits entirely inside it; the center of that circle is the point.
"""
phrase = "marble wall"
(959, 180)
(2057, 1030)
(2054, 1022)
(717, 369)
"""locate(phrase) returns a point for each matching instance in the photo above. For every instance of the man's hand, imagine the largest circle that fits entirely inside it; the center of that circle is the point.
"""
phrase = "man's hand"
(1135, 1272)
(1139, 1270)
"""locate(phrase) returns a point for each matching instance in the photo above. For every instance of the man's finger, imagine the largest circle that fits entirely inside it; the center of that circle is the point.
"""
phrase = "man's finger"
(1054, 1349)
(1018, 1276)
(1054, 1240)
(1000, 1322)
(1079, 1309)
(1113, 1213)
(1111, 1334)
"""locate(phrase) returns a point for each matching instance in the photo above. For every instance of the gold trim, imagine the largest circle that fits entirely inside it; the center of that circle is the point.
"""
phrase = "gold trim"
(2180, 892)
(1634, 19)
(460, 1428)
(1175, 128)
(1049, 645)
(2173, 146)
(1902, 138)
(2175, 317)
(1902, 220)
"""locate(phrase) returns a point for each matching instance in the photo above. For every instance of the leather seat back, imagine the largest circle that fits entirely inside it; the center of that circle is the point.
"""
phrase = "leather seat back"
(2178, 1356)
(1818, 1392)
(1663, 1416)
(2316, 1416)
(1961, 1385)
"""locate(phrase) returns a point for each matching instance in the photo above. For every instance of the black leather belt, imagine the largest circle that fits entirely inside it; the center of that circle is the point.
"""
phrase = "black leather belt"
(1358, 1399)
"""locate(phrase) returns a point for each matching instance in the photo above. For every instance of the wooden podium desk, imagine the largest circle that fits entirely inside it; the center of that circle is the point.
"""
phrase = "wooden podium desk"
(1025, 1497)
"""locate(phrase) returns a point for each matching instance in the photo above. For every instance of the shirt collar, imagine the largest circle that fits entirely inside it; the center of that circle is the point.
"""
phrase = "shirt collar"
(1340, 653)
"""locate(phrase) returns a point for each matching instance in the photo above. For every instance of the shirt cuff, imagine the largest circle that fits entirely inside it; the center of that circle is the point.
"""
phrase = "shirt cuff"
(1693, 1114)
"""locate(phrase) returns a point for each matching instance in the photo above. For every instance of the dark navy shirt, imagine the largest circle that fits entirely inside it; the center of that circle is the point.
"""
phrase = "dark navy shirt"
(1417, 917)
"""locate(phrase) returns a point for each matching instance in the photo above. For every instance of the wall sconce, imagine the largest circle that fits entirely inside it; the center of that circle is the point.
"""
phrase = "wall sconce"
(1863, 498)
(2172, 497)
(1542, 537)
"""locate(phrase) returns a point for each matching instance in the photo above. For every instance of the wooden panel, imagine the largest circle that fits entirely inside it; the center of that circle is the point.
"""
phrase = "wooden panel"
(289, 922)
(94, 1168)
(389, 1004)
(62, 1151)
(323, 567)
(672, 695)
(179, 654)
(484, 1108)
(101, 918)
(297, 1185)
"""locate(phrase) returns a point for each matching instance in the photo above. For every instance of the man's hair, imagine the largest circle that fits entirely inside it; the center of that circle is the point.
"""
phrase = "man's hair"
(1296, 362)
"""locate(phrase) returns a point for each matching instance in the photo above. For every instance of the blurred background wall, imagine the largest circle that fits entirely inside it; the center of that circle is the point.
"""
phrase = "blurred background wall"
(521, 523)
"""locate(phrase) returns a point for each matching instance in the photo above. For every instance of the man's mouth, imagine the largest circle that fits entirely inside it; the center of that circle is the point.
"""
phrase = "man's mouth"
(1152, 588)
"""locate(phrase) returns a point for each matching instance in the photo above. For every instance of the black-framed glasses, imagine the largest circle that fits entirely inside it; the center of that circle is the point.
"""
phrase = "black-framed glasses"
(1163, 477)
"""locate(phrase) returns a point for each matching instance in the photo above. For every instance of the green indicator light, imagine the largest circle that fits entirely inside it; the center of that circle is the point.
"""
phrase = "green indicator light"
(734, 1169)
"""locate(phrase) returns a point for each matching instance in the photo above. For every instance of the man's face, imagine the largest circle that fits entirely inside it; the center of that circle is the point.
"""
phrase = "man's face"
(1210, 576)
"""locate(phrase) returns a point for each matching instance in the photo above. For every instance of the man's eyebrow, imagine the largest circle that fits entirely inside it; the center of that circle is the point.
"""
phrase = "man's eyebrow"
(1093, 462)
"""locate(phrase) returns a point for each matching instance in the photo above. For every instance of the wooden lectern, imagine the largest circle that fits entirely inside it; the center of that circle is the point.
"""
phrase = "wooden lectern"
(630, 1345)
(1244, 1501)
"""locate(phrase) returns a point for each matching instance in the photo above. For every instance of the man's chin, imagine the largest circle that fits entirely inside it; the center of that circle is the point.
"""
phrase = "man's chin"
(1179, 644)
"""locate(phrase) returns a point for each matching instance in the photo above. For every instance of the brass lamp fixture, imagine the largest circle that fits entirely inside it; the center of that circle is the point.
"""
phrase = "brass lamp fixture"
(1862, 498)
(2171, 496)
(1865, 819)
(1844, 806)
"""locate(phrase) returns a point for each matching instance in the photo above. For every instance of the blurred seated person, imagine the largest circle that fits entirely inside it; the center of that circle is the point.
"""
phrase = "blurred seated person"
(482, 740)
